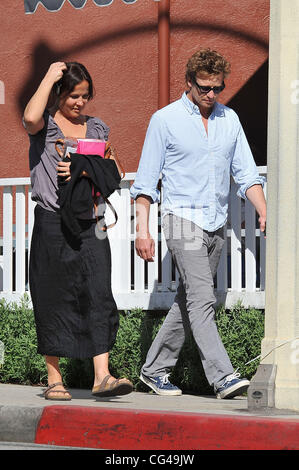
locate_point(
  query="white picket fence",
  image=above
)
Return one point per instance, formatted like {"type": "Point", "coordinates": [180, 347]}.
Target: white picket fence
{"type": "Point", "coordinates": [240, 276]}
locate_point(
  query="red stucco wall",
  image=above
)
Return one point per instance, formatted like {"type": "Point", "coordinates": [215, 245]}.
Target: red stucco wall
{"type": "Point", "coordinates": [119, 46]}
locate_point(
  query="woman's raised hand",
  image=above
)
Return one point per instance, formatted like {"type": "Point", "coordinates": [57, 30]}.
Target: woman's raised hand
{"type": "Point", "coordinates": [33, 114]}
{"type": "Point", "coordinates": [55, 71]}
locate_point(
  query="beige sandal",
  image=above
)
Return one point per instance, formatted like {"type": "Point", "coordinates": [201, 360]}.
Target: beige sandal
{"type": "Point", "coordinates": [49, 390]}
{"type": "Point", "coordinates": [117, 387]}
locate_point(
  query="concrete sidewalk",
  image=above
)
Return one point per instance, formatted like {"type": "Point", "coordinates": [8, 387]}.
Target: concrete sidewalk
{"type": "Point", "coordinates": [142, 421]}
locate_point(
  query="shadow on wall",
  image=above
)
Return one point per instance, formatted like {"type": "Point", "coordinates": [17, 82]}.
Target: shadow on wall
{"type": "Point", "coordinates": [43, 55]}
{"type": "Point", "coordinates": [250, 102]}
{"type": "Point", "coordinates": [251, 105]}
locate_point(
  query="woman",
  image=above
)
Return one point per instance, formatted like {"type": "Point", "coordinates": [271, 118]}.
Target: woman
{"type": "Point", "coordinates": [75, 313]}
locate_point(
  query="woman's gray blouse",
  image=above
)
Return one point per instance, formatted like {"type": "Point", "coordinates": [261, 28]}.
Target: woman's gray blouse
{"type": "Point", "coordinates": [43, 158]}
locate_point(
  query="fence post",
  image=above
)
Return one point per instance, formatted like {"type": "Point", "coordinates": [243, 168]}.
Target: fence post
{"type": "Point", "coordinates": [7, 239]}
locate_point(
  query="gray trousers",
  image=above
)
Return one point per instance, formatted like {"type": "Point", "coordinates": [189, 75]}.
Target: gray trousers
{"type": "Point", "coordinates": [196, 254]}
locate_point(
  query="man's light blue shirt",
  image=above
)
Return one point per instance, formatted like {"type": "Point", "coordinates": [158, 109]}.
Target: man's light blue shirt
{"type": "Point", "coordinates": [195, 165]}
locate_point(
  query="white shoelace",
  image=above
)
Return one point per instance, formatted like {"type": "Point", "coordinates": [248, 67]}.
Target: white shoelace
{"type": "Point", "coordinates": [233, 376]}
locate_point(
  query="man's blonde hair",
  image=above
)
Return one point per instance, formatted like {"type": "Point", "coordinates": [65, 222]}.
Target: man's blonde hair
{"type": "Point", "coordinates": [208, 62]}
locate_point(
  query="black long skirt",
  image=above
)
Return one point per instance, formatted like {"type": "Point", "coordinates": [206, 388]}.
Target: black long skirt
{"type": "Point", "coordinates": [70, 285]}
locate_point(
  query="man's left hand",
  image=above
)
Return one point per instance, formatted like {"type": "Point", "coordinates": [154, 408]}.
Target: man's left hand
{"type": "Point", "coordinates": [262, 222]}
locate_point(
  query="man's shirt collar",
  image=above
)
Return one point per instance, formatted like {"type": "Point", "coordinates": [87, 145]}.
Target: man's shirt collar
{"type": "Point", "coordinates": [192, 108]}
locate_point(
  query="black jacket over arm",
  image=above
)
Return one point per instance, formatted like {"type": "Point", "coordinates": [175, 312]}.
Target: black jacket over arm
{"type": "Point", "coordinates": [75, 196]}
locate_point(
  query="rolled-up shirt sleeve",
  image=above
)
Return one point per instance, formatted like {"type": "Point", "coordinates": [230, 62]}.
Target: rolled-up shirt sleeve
{"type": "Point", "coordinates": [243, 167]}
{"type": "Point", "coordinates": [151, 161]}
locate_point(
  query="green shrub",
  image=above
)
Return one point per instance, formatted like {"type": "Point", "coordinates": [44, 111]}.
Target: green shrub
{"type": "Point", "coordinates": [17, 331]}
{"type": "Point", "coordinates": [241, 331]}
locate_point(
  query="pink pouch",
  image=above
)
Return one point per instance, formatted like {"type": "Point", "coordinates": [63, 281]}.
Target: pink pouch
{"type": "Point", "coordinates": [91, 147]}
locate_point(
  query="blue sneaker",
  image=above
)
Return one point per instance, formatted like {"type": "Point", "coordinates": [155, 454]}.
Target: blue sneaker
{"type": "Point", "coordinates": [161, 385]}
{"type": "Point", "coordinates": [232, 386]}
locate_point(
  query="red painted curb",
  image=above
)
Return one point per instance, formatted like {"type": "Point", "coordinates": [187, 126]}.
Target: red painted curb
{"type": "Point", "coordinates": [105, 428]}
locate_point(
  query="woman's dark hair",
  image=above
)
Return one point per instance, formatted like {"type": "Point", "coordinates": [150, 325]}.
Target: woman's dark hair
{"type": "Point", "coordinates": [74, 74]}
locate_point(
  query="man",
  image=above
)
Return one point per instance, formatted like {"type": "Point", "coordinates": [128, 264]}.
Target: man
{"type": "Point", "coordinates": [197, 144]}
